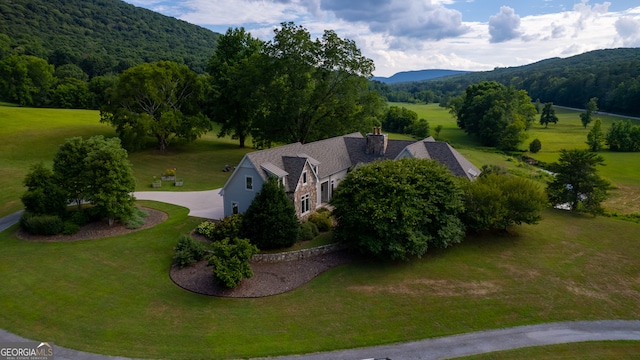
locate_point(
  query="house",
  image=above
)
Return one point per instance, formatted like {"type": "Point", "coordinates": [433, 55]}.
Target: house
{"type": "Point", "coordinates": [310, 172]}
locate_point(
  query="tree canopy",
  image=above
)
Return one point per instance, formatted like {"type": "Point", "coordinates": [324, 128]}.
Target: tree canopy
{"type": "Point", "coordinates": [497, 114]}
{"type": "Point", "coordinates": [234, 98]}
{"type": "Point", "coordinates": [158, 99]}
{"type": "Point", "coordinates": [313, 89]}
{"type": "Point", "coordinates": [397, 209]}
{"type": "Point", "coordinates": [548, 115]}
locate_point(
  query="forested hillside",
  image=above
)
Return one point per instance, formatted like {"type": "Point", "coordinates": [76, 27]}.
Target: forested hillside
{"type": "Point", "coordinates": [102, 36]}
{"type": "Point", "coordinates": [613, 76]}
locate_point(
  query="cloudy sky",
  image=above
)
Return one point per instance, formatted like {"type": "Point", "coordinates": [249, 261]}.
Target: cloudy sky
{"type": "Point", "coordinates": [402, 35]}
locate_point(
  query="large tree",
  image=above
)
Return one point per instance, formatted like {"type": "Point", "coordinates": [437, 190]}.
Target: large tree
{"type": "Point", "coordinates": [595, 137]}
{"type": "Point", "coordinates": [398, 209]}
{"type": "Point", "coordinates": [497, 114]}
{"type": "Point", "coordinates": [157, 99]}
{"type": "Point", "coordinates": [577, 182]}
{"type": "Point", "coordinates": [313, 89]}
{"type": "Point", "coordinates": [234, 97]}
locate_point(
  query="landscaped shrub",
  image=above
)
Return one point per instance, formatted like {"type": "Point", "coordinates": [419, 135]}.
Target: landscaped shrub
{"type": "Point", "coordinates": [322, 220]}
{"type": "Point", "coordinates": [70, 228]}
{"type": "Point", "coordinates": [229, 227]}
{"type": "Point", "coordinates": [136, 219]}
{"type": "Point", "coordinates": [79, 217]}
{"type": "Point", "coordinates": [41, 224]}
{"type": "Point", "coordinates": [230, 260]}
{"type": "Point", "coordinates": [188, 251]}
{"type": "Point", "coordinates": [535, 146]}
{"type": "Point", "coordinates": [308, 231]}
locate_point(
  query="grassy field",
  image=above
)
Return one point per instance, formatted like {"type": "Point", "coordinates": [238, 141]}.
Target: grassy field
{"type": "Point", "coordinates": [113, 295]}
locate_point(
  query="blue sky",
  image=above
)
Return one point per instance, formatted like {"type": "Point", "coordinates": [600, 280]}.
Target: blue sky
{"type": "Point", "coordinates": [402, 35]}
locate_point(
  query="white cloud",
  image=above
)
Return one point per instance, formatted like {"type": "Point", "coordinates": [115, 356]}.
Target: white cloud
{"type": "Point", "coordinates": [629, 31]}
{"type": "Point", "coordinates": [504, 26]}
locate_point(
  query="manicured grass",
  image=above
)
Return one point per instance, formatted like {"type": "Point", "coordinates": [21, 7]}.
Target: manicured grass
{"type": "Point", "coordinates": [28, 136]}
{"type": "Point", "coordinates": [586, 350]}
{"type": "Point", "coordinates": [114, 296]}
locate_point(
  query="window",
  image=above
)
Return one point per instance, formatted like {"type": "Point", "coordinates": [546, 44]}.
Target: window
{"type": "Point", "coordinates": [249, 183]}
{"type": "Point", "coordinates": [235, 208]}
{"type": "Point", "coordinates": [304, 202]}
{"type": "Point", "coordinates": [304, 177]}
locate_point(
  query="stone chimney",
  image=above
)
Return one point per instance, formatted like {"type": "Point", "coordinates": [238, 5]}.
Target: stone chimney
{"type": "Point", "coordinates": [377, 142]}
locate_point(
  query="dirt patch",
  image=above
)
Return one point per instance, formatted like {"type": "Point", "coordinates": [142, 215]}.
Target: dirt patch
{"type": "Point", "coordinates": [625, 199]}
{"type": "Point", "coordinates": [268, 278]}
{"type": "Point", "coordinates": [434, 287]}
{"type": "Point", "coordinates": [98, 230]}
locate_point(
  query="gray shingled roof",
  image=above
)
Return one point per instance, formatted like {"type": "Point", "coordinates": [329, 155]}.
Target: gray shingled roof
{"type": "Point", "coordinates": [294, 166]}
{"type": "Point", "coordinates": [340, 153]}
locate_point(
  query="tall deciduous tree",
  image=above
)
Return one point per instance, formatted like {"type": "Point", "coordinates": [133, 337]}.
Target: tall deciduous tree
{"type": "Point", "coordinates": [398, 209]}
{"type": "Point", "coordinates": [577, 182]}
{"type": "Point", "coordinates": [314, 89]}
{"type": "Point", "coordinates": [497, 114]}
{"type": "Point", "coordinates": [111, 178]}
{"type": "Point", "coordinates": [587, 115]}
{"type": "Point", "coordinates": [233, 69]}
{"type": "Point", "coordinates": [43, 195]}
{"type": "Point", "coordinates": [158, 99]}
{"type": "Point", "coordinates": [548, 115]}
{"type": "Point", "coordinates": [26, 80]}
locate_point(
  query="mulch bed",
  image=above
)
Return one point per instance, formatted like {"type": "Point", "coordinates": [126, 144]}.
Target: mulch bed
{"type": "Point", "coordinates": [268, 278]}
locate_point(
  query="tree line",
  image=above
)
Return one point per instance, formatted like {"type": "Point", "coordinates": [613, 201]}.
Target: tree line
{"type": "Point", "coordinates": [612, 76]}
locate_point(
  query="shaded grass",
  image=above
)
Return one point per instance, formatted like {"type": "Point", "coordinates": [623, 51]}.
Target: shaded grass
{"type": "Point", "coordinates": [114, 295]}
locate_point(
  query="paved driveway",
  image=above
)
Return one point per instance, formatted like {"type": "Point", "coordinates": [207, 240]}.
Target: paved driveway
{"type": "Point", "coordinates": [205, 204]}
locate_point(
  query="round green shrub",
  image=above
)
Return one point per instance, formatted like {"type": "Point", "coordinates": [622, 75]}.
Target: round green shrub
{"type": "Point", "coordinates": [188, 251]}
{"type": "Point", "coordinates": [308, 231]}
{"type": "Point", "coordinates": [41, 224]}
{"type": "Point", "coordinates": [322, 220]}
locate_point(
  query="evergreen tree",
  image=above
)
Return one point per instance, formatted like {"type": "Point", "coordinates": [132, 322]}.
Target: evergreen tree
{"type": "Point", "coordinates": [548, 115]}
{"type": "Point", "coordinates": [270, 222]}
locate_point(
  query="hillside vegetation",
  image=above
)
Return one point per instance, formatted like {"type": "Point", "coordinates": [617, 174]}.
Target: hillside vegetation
{"type": "Point", "coordinates": [612, 75]}
{"type": "Point", "coordinates": [102, 36]}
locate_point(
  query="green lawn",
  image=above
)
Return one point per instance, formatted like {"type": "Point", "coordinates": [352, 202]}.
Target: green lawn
{"type": "Point", "coordinates": [28, 136]}
{"type": "Point", "coordinates": [113, 295]}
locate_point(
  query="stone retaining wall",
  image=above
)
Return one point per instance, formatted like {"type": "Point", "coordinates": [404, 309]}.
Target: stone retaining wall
{"type": "Point", "coordinates": [298, 254]}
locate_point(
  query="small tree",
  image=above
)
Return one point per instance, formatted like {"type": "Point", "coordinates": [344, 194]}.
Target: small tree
{"type": "Point", "coordinates": [548, 115]}
{"type": "Point", "coordinates": [535, 146]}
{"type": "Point", "coordinates": [397, 209]}
{"type": "Point", "coordinates": [497, 201]}
{"type": "Point", "coordinates": [230, 260]}
{"type": "Point", "coordinates": [577, 182]}
{"type": "Point", "coordinates": [595, 138]}
{"type": "Point", "coordinates": [270, 222]}
{"type": "Point", "coordinates": [586, 116]}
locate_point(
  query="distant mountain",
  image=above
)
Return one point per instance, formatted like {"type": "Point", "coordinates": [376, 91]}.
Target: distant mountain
{"type": "Point", "coordinates": [102, 36]}
{"type": "Point", "coordinates": [611, 75]}
{"type": "Point", "coordinates": [417, 75]}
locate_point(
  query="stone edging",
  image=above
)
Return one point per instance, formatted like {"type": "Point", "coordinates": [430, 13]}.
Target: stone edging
{"type": "Point", "coordinates": [298, 254]}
